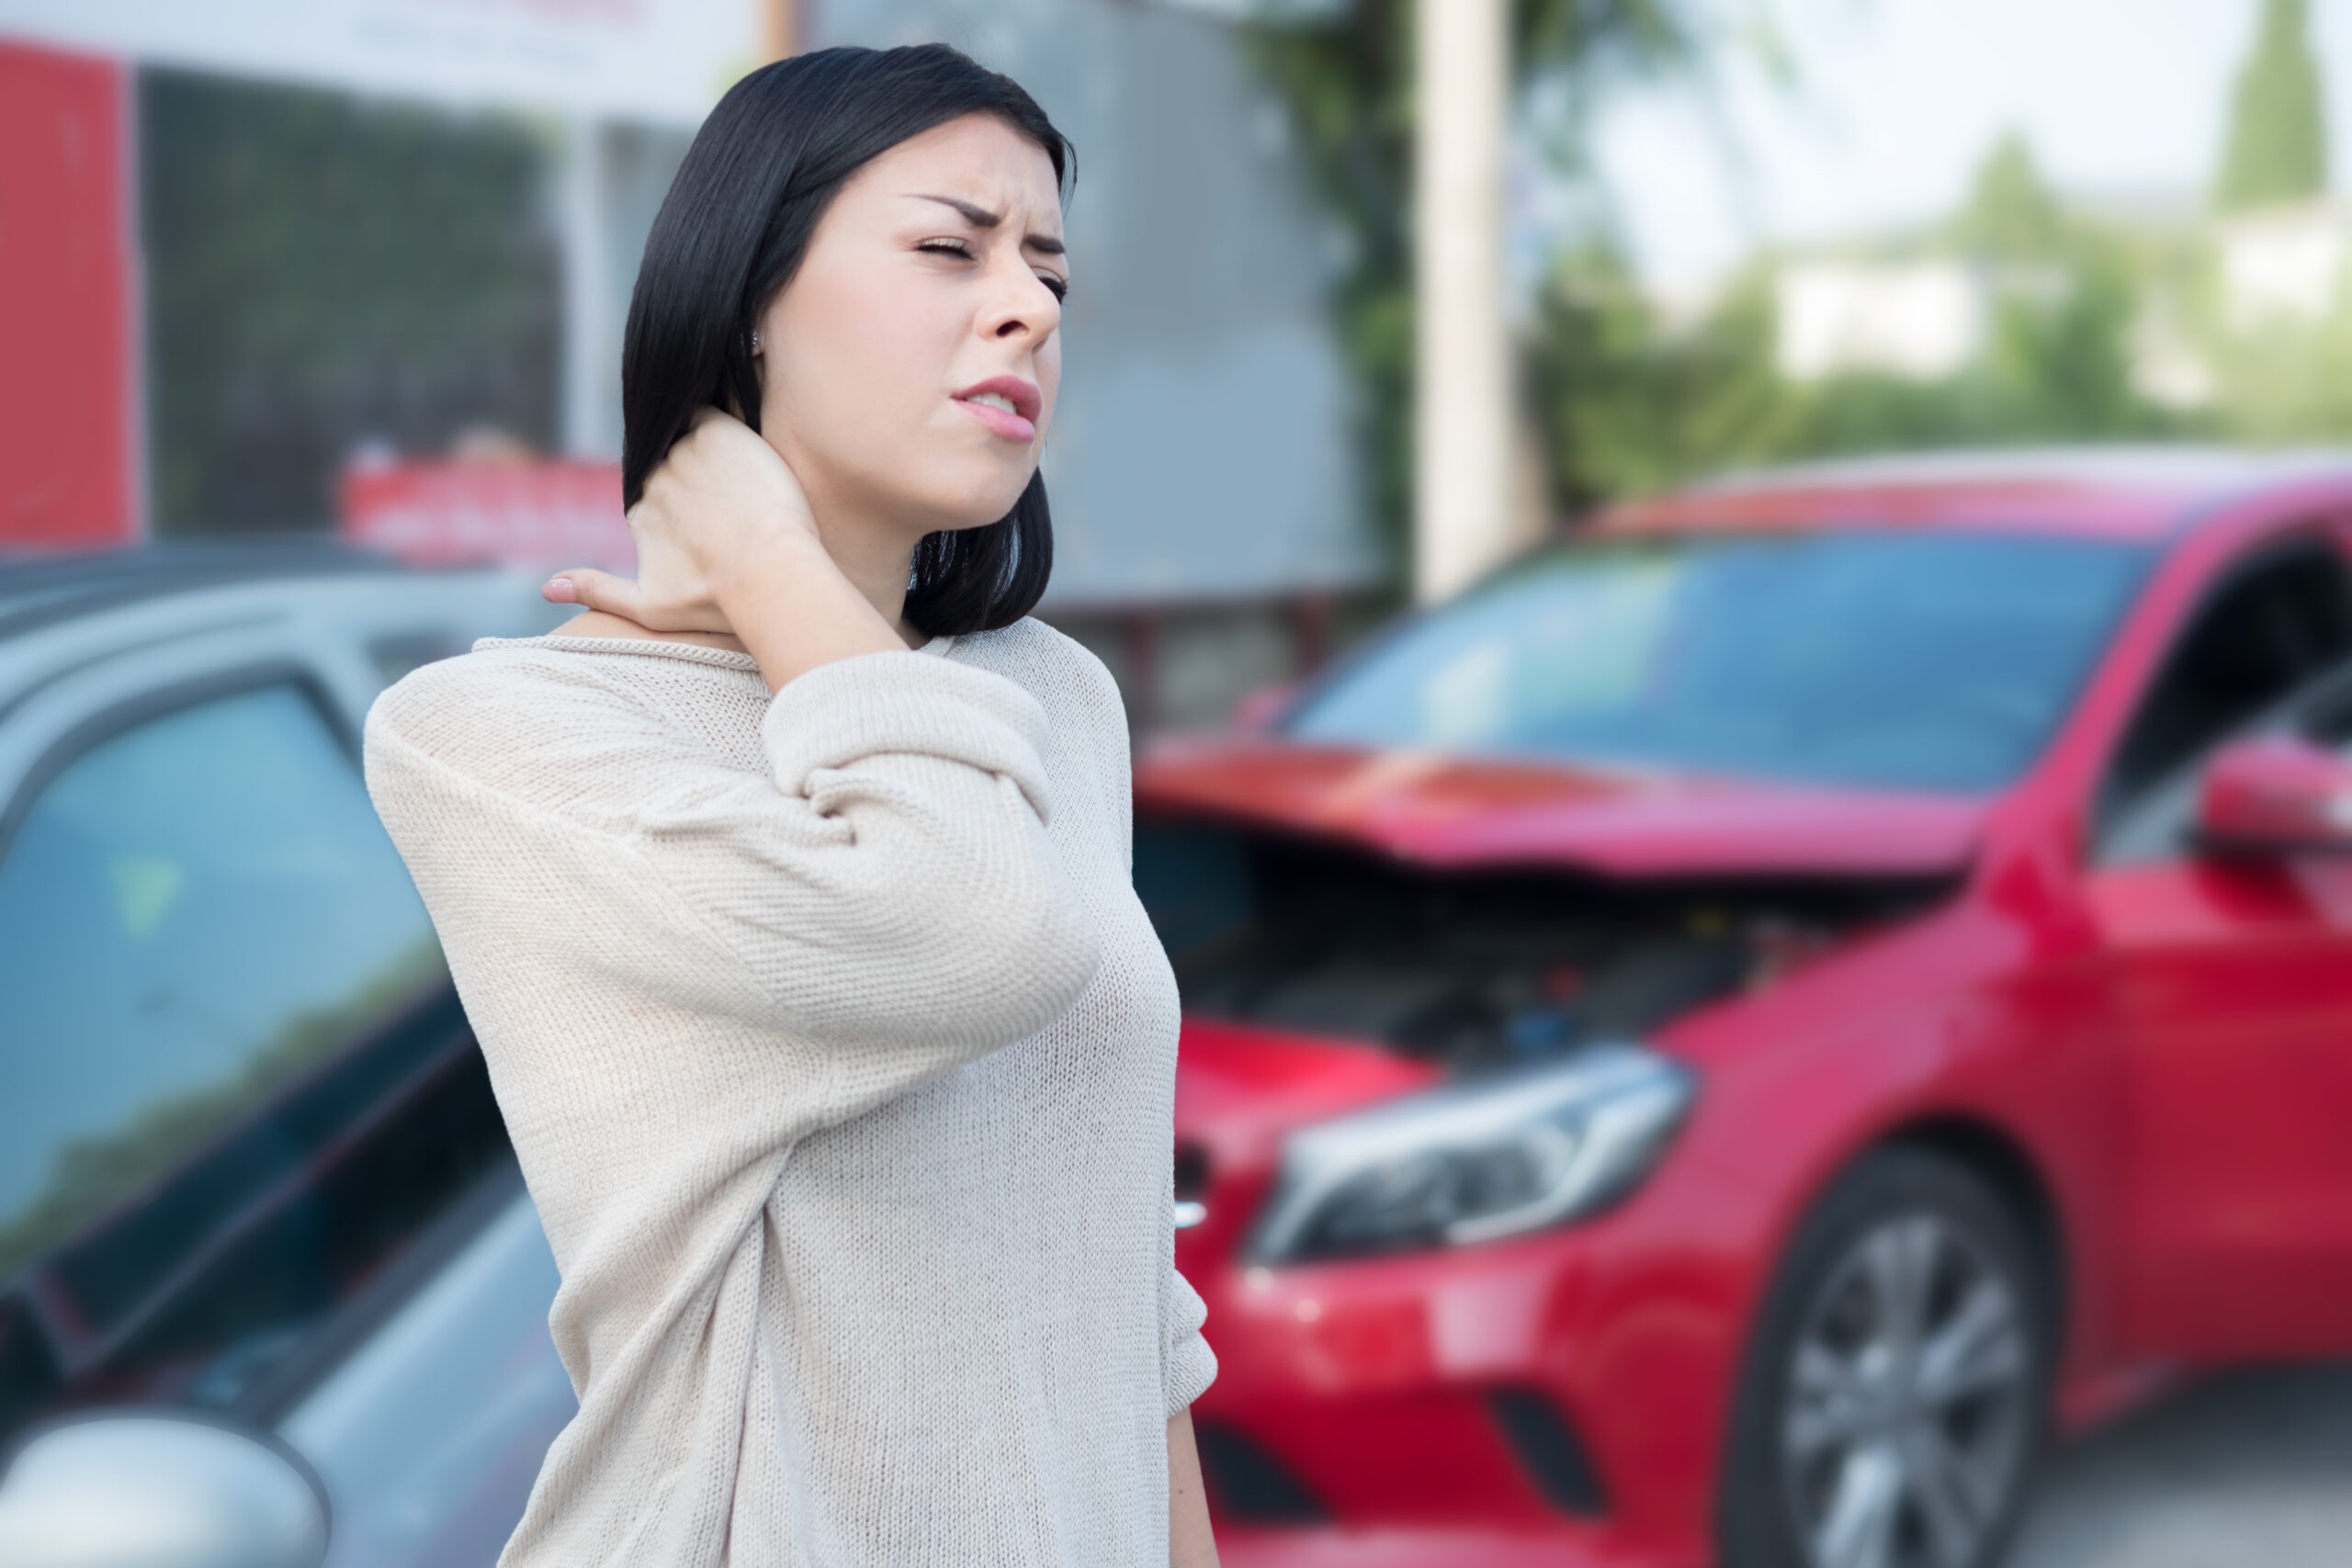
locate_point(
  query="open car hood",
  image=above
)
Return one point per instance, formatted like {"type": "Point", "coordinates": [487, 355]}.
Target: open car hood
{"type": "Point", "coordinates": [1440, 810]}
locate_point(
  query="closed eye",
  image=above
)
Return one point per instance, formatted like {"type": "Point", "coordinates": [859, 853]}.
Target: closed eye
{"type": "Point", "coordinates": [1057, 287]}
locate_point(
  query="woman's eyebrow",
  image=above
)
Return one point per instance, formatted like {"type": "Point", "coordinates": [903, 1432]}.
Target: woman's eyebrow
{"type": "Point", "coordinates": [981, 218]}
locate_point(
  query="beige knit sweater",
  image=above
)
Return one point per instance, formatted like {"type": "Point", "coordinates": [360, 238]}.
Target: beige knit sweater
{"type": "Point", "coordinates": [839, 1056]}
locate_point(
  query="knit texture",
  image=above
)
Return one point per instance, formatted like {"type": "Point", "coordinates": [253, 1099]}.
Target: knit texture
{"type": "Point", "coordinates": [840, 1057]}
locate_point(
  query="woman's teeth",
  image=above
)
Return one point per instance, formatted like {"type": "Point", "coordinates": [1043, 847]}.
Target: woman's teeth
{"type": "Point", "coordinates": [994, 400]}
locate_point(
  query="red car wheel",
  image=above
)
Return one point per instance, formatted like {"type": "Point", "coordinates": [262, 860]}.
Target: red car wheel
{"type": "Point", "coordinates": [1896, 1390]}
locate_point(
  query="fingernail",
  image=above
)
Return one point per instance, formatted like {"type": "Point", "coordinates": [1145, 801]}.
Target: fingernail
{"type": "Point", "coordinates": [558, 589]}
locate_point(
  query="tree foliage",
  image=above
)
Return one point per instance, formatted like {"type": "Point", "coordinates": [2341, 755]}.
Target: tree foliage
{"type": "Point", "coordinates": [2285, 382]}
{"type": "Point", "coordinates": [1626, 402]}
{"type": "Point", "coordinates": [2012, 216]}
{"type": "Point", "coordinates": [1630, 405]}
{"type": "Point", "coordinates": [2276, 150]}
{"type": "Point", "coordinates": [1624, 406]}
{"type": "Point", "coordinates": [325, 270]}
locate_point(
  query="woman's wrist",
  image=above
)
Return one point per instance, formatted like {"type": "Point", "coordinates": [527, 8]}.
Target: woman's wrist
{"type": "Point", "coordinates": [793, 609]}
{"type": "Point", "coordinates": [778, 555]}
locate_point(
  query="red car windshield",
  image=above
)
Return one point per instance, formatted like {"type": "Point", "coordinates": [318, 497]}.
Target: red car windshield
{"type": "Point", "coordinates": [1929, 661]}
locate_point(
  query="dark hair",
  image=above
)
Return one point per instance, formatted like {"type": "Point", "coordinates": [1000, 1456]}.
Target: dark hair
{"type": "Point", "coordinates": [733, 231]}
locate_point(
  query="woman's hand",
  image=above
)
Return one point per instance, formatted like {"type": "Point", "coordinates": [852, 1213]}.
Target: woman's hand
{"type": "Point", "coordinates": [726, 546]}
{"type": "Point", "coordinates": [715, 511]}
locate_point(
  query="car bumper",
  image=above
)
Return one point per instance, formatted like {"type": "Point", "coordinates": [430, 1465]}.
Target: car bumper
{"type": "Point", "coordinates": [1554, 1399]}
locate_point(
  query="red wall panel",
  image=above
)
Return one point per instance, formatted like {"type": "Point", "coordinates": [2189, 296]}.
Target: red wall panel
{"type": "Point", "coordinates": [66, 421]}
{"type": "Point", "coordinates": [534, 514]}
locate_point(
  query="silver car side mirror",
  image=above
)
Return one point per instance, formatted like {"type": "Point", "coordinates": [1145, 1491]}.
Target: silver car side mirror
{"type": "Point", "coordinates": [153, 1489]}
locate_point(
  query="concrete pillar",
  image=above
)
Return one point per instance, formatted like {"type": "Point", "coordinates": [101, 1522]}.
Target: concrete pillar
{"type": "Point", "coordinates": [779, 28]}
{"type": "Point", "coordinates": [1462, 501]}
{"type": "Point", "coordinates": [592, 344]}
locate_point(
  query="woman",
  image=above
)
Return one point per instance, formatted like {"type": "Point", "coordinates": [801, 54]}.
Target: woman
{"type": "Point", "coordinates": [787, 890]}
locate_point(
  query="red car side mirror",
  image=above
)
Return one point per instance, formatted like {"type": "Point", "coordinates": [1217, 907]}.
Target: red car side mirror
{"type": "Point", "coordinates": [2275, 795]}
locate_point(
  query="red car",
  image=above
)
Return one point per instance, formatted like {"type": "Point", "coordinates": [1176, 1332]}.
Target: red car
{"type": "Point", "coordinates": [1708, 1047]}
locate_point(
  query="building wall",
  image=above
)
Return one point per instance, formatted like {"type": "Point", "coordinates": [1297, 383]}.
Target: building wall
{"type": "Point", "coordinates": [655, 62]}
{"type": "Point", "coordinates": [331, 277]}
{"type": "Point", "coordinates": [1920, 320]}
{"type": "Point", "coordinates": [67, 448]}
{"type": "Point", "coordinates": [1201, 452]}
{"type": "Point", "coordinates": [1201, 467]}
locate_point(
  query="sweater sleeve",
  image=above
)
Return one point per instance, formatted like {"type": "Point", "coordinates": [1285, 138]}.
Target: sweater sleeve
{"type": "Point", "coordinates": [883, 890]}
{"type": "Point", "coordinates": [1187, 1365]}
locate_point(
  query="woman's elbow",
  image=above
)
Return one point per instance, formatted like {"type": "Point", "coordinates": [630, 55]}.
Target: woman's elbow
{"type": "Point", "coordinates": [1028, 954]}
{"type": "Point", "coordinates": [968, 962]}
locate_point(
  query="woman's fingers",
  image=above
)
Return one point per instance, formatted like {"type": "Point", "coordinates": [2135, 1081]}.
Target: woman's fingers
{"type": "Point", "coordinates": [644, 600]}
{"type": "Point", "coordinates": [593, 590]}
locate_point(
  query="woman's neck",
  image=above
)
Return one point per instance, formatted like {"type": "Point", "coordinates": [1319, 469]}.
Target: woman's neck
{"type": "Point", "coordinates": [876, 556]}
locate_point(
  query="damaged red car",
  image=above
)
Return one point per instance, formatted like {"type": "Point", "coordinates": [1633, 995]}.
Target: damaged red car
{"type": "Point", "coordinates": [1716, 1046]}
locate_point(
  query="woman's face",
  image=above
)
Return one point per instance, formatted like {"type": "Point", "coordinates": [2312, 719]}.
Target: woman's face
{"type": "Point", "coordinates": [908, 371]}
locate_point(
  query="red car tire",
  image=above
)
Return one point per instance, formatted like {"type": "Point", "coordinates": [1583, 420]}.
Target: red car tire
{"type": "Point", "coordinates": [1895, 1394]}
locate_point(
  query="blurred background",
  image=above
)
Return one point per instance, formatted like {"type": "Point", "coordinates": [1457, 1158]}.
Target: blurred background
{"type": "Point", "coordinates": [360, 266]}
{"type": "Point", "coordinates": [289, 275]}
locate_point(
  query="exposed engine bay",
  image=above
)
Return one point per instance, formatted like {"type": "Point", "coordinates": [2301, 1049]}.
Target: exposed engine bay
{"type": "Point", "coordinates": [1476, 967]}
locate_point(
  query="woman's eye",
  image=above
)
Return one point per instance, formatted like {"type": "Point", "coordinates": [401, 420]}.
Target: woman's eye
{"type": "Point", "coordinates": [964, 252]}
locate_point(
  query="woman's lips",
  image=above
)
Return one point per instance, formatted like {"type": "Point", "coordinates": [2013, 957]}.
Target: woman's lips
{"type": "Point", "coordinates": [1003, 422]}
{"type": "Point", "coordinates": [1006, 404]}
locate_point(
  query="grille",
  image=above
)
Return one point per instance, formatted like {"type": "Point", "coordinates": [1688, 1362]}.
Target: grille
{"type": "Point", "coordinates": [1248, 1484]}
{"type": "Point", "coordinates": [1550, 1451]}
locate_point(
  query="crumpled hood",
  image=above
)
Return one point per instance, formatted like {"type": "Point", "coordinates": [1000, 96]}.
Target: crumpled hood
{"type": "Point", "coordinates": [1440, 810]}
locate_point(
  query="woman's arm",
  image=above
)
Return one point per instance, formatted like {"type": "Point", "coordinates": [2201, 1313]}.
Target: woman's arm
{"type": "Point", "coordinates": [1190, 1543]}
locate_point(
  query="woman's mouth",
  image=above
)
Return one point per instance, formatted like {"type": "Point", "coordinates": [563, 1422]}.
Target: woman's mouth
{"type": "Point", "coordinates": [1008, 405]}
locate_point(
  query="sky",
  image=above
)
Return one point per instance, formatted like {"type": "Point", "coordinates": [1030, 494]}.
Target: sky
{"type": "Point", "coordinates": [1896, 101]}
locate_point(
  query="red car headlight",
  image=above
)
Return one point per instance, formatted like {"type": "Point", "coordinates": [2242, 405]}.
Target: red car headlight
{"type": "Point", "coordinates": [1481, 1157]}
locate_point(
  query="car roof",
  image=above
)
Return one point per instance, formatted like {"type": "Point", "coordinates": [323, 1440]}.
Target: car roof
{"type": "Point", "coordinates": [37, 591]}
{"type": "Point", "coordinates": [64, 614]}
{"type": "Point", "coordinates": [2139, 493]}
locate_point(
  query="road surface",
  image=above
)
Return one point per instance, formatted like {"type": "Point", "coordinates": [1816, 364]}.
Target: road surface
{"type": "Point", "coordinates": [2251, 1470]}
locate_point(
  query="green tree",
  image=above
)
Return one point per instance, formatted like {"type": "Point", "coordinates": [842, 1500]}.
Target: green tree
{"type": "Point", "coordinates": [2054, 368]}
{"type": "Point", "coordinates": [2287, 383]}
{"type": "Point", "coordinates": [1630, 405]}
{"type": "Point", "coordinates": [1626, 406]}
{"type": "Point", "coordinates": [2277, 139]}
{"type": "Point", "coordinates": [2011, 215]}
{"type": "Point", "coordinates": [1630, 408]}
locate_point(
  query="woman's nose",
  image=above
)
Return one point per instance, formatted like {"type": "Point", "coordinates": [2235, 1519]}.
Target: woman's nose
{"type": "Point", "coordinates": [1020, 305]}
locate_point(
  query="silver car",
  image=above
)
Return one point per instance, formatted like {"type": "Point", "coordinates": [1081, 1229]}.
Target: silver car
{"type": "Point", "coordinates": [266, 1260]}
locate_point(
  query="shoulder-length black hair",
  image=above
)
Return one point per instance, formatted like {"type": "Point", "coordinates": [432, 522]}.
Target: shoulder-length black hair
{"type": "Point", "coordinates": [731, 232]}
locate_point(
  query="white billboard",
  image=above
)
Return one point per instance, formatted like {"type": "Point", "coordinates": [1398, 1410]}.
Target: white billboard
{"type": "Point", "coordinates": [662, 61]}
